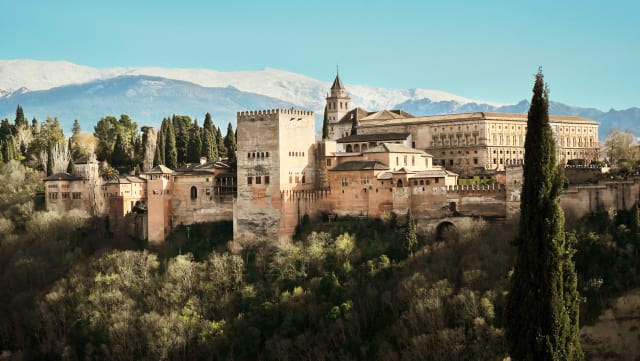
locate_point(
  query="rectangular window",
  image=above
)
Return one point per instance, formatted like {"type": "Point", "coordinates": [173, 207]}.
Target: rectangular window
{"type": "Point", "coordinates": [207, 191]}
{"type": "Point", "coordinates": [65, 195]}
{"type": "Point", "coordinates": [437, 180]}
{"type": "Point", "coordinates": [249, 180]}
{"type": "Point", "coordinates": [76, 195]}
{"type": "Point", "coordinates": [266, 179]}
{"type": "Point", "coordinates": [475, 160]}
{"type": "Point", "coordinates": [345, 181]}
{"type": "Point", "coordinates": [405, 160]}
{"type": "Point", "coordinates": [53, 195]}
{"type": "Point", "coordinates": [328, 162]}
{"type": "Point", "coordinates": [258, 180]}
{"type": "Point", "coordinates": [413, 160]}
{"type": "Point", "coordinates": [297, 179]}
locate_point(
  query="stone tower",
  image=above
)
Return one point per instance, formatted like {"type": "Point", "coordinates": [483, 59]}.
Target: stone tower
{"type": "Point", "coordinates": [337, 103]}
{"type": "Point", "coordinates": [275, 161]}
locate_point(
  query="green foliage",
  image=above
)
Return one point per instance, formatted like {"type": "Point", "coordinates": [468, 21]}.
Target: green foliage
{"type": "Point", "coordinates": [195, 144]}
{"type": "Point", "coordinates": [120, 157]}
{"type": "Point", "coordinates": [182, 125]}
{"type": "Point", "coordinates": [230, 144]}
{"type": "Point", "coordinates": [170, 151]}
{"type": "Point", "coordinates": [410, 234]}
{"type": "Point", "coordinates": [20, 121]}
{"type": "Point", "coordinates": [71, 168]}
{"type": "Point", "coordinates": [543, 302]}
{"type": "Point", "coordinates": [325, 124]}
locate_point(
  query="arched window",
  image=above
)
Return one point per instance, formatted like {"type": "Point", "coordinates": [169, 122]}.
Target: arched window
{"type": "Point", "coordinates": [194, 193]}
{"type": "Point", "coordinates": [399, 184]}
{"type": "Point", "coordinates": [349, 149]}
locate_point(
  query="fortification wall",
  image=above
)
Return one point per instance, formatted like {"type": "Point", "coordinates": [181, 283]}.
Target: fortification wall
{"type": "Point", "coordinates": [610, 196]}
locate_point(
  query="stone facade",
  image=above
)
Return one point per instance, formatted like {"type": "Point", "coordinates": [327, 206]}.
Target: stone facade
{"type": "Point", "coordinates": [275, 157]}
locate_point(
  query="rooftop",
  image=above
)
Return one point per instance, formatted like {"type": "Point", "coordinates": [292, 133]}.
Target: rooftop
{"type": "Point", "coordinates": [360, 165]}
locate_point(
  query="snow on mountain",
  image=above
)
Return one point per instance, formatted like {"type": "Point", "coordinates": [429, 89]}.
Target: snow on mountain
{"type": "Point", "coordinates": [295, 88]}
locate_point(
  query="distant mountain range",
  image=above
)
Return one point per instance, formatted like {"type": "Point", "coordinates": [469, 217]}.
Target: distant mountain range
{"type": "Point", "coordinates": [69, 91]}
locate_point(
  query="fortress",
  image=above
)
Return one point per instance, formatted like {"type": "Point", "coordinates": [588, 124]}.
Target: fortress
{"type": "Point", "coordinates": [369, 164]}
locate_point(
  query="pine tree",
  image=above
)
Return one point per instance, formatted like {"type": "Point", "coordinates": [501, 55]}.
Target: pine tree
{"type": "Point", "coordinates": [542, 306]}
{"type": "Point", "coordinates": [325, 125]}
{"type": "Point", "coordinates": [170, 150]}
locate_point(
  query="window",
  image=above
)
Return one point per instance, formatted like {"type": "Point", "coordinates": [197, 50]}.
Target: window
{"type": "Point", "coordinates": [53, 195]}
{"type": "Point", "coordinates": [345, 181]}
{"type": "Point", "coordinates": [258, 180]}
{"type": "Point", "coordinates": [475, 160]}
{"type": "Point", "coordinates": [413, 160]}
{"type": "Point", "coordinates": [405, 160]}
{"type": "Point", "coordinates": [65, 195]}
{"type": "Point", "coordinates": [266, 179]}
{"type": "Point", "coordinates": [297, 179]}
{"type": "Point", "coordinates": [249, 180]}
{"type": "Point", "coordinates": [194, 193]}
{"type": "Point", "coordinates": [290, 179]}
{"type": "Point", "coordinates": [328, 162]}
{"type": "Point", "coordinates": [303, 179]}
{"type": "Point", "coordinates": [207, 191]}
{"type": "Point", "coordinates": [397, 161]}
{"type": "Point", "coordinates": [76, 195]}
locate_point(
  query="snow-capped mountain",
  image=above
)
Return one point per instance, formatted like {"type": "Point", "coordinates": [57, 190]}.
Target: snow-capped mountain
{"type": "Point", "coordinates": [70, 91]}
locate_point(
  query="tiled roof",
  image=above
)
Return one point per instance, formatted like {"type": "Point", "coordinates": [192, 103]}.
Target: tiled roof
{"type": "Point", "coordinates": [394, 148]}
{"type": "Point", "coordinates": [62, 176]}
{"type": "Point", "coordinates": [433, 173]}
{"type": "Point", "coordinates": [373, 137]}
{"type": "Point", "coordinates": [385, 115]}
{"type": "Point", "coordinates": [348, 117]}
{"type": "Point", "coordinates": [360, 165]}
{"type": "Point", "coordinates": [160, 169]}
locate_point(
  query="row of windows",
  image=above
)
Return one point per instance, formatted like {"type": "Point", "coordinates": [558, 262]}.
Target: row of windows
{"type": "Point", "coordinates": [65, 195]}
{"type": "Point", "coordinates": [258, 179]}
{"type": "Point", "coordinates": [453, 128]}
{"type": "Point", "coordinates": [404, 160]}
{"type": "Point", "coordinates": [297, 179]}
{"type": "Point", "coordinates": [296, 154]}
{"type": "Point", "coordinates": [443, 162]}
{"type": "Point", "coordinates": [258, 155]}
{"type": "Point", "coordinates": [365, 181]}
{"type": "Point", "coordinates": [333, 105]}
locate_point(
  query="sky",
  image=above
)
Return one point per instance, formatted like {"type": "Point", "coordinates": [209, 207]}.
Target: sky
{"type": "Point", "coordinates": [489, 50]}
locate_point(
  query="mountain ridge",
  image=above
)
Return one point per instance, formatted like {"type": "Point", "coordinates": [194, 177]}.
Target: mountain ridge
{"type": "Point", "coordinates": [31, 82]}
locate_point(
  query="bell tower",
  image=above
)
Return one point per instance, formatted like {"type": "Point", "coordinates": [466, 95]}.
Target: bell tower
{"type": "Point", "coordinates": [337, 101]}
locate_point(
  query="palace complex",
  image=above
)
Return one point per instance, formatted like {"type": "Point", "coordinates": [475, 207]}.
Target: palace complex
{"type": "Point", "coordinates": [369, 165]}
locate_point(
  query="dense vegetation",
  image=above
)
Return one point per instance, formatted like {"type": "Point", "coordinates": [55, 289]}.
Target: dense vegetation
{"type": "Point", "coordinates": [345, 289]}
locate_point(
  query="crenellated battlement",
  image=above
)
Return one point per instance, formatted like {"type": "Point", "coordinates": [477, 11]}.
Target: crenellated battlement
{"type": "Point", "coordinates": [273, 112]}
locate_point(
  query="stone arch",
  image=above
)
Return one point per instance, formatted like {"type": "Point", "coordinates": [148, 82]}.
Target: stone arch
{"type": "Point", "coordinates": [446, 231]}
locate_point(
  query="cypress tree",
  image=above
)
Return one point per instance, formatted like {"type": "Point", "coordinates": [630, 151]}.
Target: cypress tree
{"type": "Point", "coordinates": [542, 306]}
{"type": "Point", "coordinates": [208, 122]}
{"type": "Point", "coordinates": [209, 146]}
{"type": "Point", "coordinates": [1, 155]}
{"type": "Point", "coordinates": [71, 167]}
{"type": "Point", "coordinates": [195, 144]}
{"type": "Point", "coordinates": [230, 144]}
{"type": "Point", "coordinates": [76, 127]}
{"type": "Point", "coordinates": [170, 150]}
{"type": "Point", "coordinates": [9, 150]}
{"type": "Point", "coordinates": [222, 151]}
{"type": "Point", "coordinates": [410, 234]}
{"type": "Point", "coordinates": [120, 156]}
{"type": "Point", "coordinates": [325, 125]}
{"type": "Point", "coordinates": [20, 121]}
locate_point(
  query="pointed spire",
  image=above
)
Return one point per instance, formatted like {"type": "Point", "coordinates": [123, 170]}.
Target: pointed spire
{"type": "Point", "coordinates": [337, 83]}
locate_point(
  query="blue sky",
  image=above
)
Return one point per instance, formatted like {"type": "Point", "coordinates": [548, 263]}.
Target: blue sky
{"type": "Point", "coordinates": [590, 50]}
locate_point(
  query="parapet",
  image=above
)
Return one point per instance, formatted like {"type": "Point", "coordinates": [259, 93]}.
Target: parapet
{"type": "Point", "coordinates": [269, 113]}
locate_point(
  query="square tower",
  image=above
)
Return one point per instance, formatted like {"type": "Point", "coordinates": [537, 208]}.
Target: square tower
{"type": "Point", "coordinates": [275, 157]}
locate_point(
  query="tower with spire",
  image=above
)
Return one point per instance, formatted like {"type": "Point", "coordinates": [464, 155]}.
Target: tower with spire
{"type": "Point", "coordinates": [337, 101]}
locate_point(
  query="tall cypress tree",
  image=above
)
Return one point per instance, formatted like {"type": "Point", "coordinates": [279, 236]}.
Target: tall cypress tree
{"type": "Point", "coordinates": [542, 306]}
{"type": "Point", "coordinates": [325, 125]}
{"type": "Point", "coordinates": [230, 144]}
{"type": "Point", "coordinates": [170, 150]}
{"type": "Point", "coordinates": [195, 144]}
{"type": "Point", "coordinates": [222, 151]}
{"type": "Point", "coordinates": [20, 121]}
